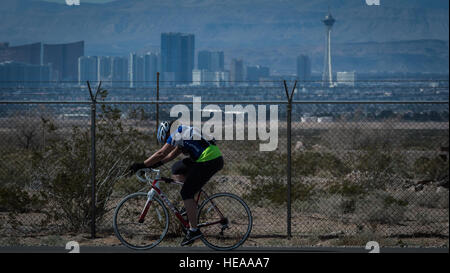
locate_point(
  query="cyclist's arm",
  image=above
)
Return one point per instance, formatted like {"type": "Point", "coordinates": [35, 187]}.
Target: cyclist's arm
{"type": "Point", "coordinates": [159, 155]}
{"type": "Point", "coordinates": [173, 154]}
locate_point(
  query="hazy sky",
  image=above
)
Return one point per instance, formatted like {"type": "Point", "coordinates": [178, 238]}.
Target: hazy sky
{"type": "Point", "coordinates": [263, 32]}
{"type": "Point", "coordinates": [87, 1]}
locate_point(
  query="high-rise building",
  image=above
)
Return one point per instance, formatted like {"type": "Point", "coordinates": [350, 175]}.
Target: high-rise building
{"type": "Point", "coordinates": [217, 61]}
{"type": "Point", "coordinates": [133, 69]}
{"type": "Point", "coordinates": [210, 60]}
{"type": "Point", "coordinates": [204, 60]}
{"type": "Point", "coordinates": [21, 74]}
{"type": "Point", "coordinates": [254, 73]}
{"type": "Point", "coordinates": [177, 57]}
{"type": "Point", "coordinates": [346, 78]}
{"type": "Point", "coordinates": [210, 78]}
{"type": "Point", "coordinates": [87, 69]}
{"type": "Point", "coordinates": [140, 71]}
{"type": "Point", "coordinates": [119, 71]}
{"type": "Point", "coordinates": [132, 66]}
{"type": "Point", "coordinates": [237, 73]}
{"type": "Point", "coordinates": [150, 68]}
{"type": "Point", "coordinates": [27, 54]}
{"type": "Point", "coordinates": [187, 57]}
{"type": "Point", "coordinates": [64, 59]}
{"type": "Point", "coordinates": [327, 75]}
{"type": "Point", "coordinates": [104, 70]}
{"type": "Point", "coordinates": [222, 78]}
{"type": "Point", "coordinates": [303, 68]}
{"type": "Point", "coordinates": [136, 70]}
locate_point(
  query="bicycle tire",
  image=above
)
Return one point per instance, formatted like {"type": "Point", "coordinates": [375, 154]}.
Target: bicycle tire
{"type": "Point", "coordinates": [239, 221]}
{"type": "Point", "coordinates": [150, 229]}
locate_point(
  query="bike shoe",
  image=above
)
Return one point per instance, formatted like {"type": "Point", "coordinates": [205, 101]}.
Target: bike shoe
{"type": "Point", "coordinates": [191, 236]}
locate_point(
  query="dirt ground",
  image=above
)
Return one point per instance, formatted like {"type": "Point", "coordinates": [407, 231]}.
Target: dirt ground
{"type": "Point", "coordinates": [295, 241]}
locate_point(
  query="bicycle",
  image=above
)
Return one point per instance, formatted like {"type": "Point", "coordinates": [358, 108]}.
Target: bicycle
{"type": "Point", "coordinates": [141, 219]}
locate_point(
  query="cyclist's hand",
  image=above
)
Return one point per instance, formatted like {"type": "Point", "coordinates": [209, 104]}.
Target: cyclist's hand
{"type": "Point", "coordinates": [135, 167]}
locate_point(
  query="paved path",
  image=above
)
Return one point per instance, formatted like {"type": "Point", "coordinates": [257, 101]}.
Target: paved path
{"type": "Point", "coordinates": [122, 249]}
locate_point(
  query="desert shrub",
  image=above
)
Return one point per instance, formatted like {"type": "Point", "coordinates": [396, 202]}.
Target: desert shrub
{"type": "Point", "coordinates": [377, 160]}
{"type": "Point", "coordinates": [380, 168]}
{"type": "Point", "coordinates": [15, 199]}
{"type": "Point", "coordinates": [379, 207]}
{"type": "Point", "coordinates": [390, 200]}
{"type": "Point", "coordinates": [15, 168]}
{"type": "Point", "coordinates": [275, 191]}
{"type": "Point", "coordinates": [271, 164]}
{"type": "Point", "coordinates": [340, 197]}
{"type": "Point", "coordinates": [346, 188]}
{"type": "Point", "coordinates": [433, 169]}
{"type": "Point", "coordinates": [333, 205]}
{"type": "Point", "coordinates": [311, 163]}
{"type": "Point", "coordinates": [431, 199]}
{"type": "Point", "coordinates": [268, 175]}
{"type": "Point", "coordinates": [64, 168]}
{"type": "Point", "coordinates": [128, 185]}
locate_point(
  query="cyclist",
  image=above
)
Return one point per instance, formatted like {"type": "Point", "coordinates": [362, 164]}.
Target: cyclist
{"type": "Point", "coordinates": [205, 159]}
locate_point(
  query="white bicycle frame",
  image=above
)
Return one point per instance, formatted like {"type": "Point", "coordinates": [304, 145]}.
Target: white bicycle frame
{"type": "Point", "coordinates": [156, 190]}
{"type": "Point", "coordinates": [152, 192]}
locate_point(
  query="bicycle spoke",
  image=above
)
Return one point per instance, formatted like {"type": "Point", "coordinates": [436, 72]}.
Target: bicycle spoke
{"type": "Point", "coordinates": [138, 235]}
{"type": "Point", "coordinates": [225, 221]}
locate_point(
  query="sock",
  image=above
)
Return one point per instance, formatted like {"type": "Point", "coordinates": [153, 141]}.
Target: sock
{"type": "Point", "coordinates": [193, 229]}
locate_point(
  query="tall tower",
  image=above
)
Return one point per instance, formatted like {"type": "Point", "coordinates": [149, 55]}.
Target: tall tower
{"type": "Point", "coordinates": [327, 76]}
{"type": "Point", "coordinates": [177, 56]}
{"type": "Point", "coordinates": [303, 68]}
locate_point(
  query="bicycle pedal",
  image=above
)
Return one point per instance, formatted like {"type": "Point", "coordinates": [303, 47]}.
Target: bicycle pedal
{"type": "Point", "coordinates": [187, 244]}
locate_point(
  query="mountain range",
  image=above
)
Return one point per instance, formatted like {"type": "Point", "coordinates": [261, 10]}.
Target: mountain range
{"type": "Point", "coordinates": [396, 36]}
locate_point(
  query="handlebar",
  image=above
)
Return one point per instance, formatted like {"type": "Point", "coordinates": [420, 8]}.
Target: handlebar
{"type": "Point", "coordinates": [144, 175]}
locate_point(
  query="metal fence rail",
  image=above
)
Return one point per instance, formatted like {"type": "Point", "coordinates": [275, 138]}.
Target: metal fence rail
{"type": "Point", "coordinates": [343, 172]}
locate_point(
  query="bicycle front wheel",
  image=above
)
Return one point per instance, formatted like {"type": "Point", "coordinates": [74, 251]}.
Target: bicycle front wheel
{"type": "Point", "coordinates": [225, 221]}
{"type": "Point", "coordinates": [130, 231]}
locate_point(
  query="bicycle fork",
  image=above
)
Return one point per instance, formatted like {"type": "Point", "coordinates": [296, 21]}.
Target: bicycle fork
{"type": "Point", "coordinates": [150, 196]}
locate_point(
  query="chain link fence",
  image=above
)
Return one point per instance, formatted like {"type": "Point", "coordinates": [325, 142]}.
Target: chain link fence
{"type": "Point", "coordinates": [359, 171]}
{"type": "Point", "coordinates": [371, 171]}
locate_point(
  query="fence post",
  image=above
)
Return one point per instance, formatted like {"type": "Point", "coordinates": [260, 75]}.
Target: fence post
{"type": "Point", "coordinates": [157, 105]}
{"type": "Point", "coordinates": [289, 161]}
{"type": "Point", "coordinates": [93, 155]}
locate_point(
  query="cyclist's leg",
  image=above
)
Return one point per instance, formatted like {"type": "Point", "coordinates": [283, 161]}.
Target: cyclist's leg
{"type": "Point", "coordinates": [192, 184]}
{"type": "Point", "coordinates": [180, 169]}
{"type": "Point", "coordinates": [197, 176]}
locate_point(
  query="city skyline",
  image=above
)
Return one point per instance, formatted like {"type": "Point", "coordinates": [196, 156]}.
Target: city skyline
{"type": "Point", "coordinates": [178, 62]}
{"type": "Point", "coordinates": [208, 70]}
{"type": "Point", "coordinates": [264, 32]}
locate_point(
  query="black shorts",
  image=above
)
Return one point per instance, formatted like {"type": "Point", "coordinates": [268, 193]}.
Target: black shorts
{"type": "Point", "coordinates": [196, 173]}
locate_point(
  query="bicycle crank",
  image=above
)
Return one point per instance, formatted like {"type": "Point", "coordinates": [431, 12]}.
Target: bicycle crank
{"type": "Point", "coordinates": [224, 223]}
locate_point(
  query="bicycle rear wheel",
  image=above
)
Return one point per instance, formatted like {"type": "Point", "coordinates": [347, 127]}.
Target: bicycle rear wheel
{"type": "Point", "coordinates": [225, 221]}
{"type": "Point", "coordinates": [135, 235]}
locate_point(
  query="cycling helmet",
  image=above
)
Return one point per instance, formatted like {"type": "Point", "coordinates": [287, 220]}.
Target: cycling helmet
{"type": "Point", "coordinates": [163, 132]}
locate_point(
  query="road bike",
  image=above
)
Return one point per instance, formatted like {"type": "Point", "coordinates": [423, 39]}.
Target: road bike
{"type": "Point", "coordinates": [141, 219]}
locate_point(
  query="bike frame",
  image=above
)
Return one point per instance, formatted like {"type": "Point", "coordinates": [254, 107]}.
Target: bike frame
{"type": "Point", "coordinates": [156, 190]}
